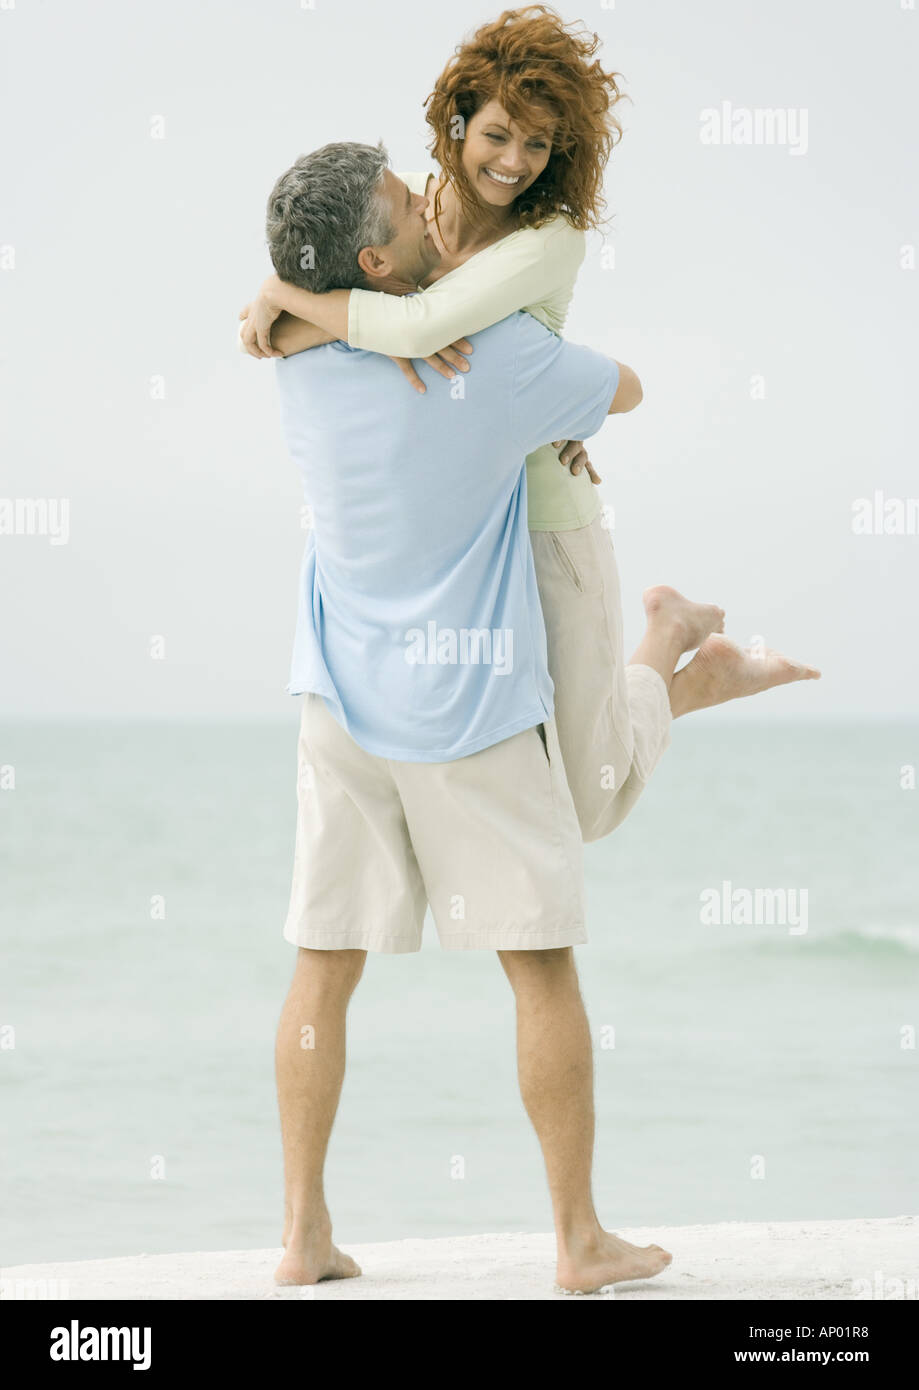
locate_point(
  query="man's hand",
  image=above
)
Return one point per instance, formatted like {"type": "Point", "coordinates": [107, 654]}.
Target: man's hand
{"type": "Point", "coordinates": [443, 362]}
{"type": "Point", "coordinates": [574, 457]}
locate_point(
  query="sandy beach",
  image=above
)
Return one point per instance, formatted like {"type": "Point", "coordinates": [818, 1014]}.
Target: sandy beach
{"type": "Point", "coordinates": [861, 1259]}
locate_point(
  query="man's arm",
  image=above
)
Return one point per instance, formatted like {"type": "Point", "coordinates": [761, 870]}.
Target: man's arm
{"type": "Point", "coordinates": [562, 390]}
{"type": "Point", "coordinates": [628, 392]}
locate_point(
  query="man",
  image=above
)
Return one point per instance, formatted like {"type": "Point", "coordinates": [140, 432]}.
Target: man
{"type": "Point", "coordinates": [429, 763]}
{"type": "Point", "coordinates": [429, 770]}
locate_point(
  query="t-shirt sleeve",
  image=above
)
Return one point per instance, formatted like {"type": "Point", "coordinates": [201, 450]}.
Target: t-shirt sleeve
{"type": "Point", "coordinates": [560, 390]}
{"type": "Point", "coordinates": [524, 269]}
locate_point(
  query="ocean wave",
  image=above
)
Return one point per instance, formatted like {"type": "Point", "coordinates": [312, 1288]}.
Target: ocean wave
{"type": "Point", "coordinates": [907, 937]}
{"type": "Point", "coordinates": [865, 942]}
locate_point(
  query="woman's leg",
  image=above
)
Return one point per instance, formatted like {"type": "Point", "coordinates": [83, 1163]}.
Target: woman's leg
{"type": "Point", "coordinates": [613, 719]}
{"type": "Point", "coordinates": [722, 671]}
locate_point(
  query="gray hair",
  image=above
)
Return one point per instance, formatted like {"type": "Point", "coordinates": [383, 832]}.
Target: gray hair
{"type": "Point", "coordinates": [324, 210]}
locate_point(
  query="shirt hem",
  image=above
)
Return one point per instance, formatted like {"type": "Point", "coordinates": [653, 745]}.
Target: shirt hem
{"type": "Point", "coordinates": [437, 755]}
{"type": "Point", "coordinates": [569, 524]}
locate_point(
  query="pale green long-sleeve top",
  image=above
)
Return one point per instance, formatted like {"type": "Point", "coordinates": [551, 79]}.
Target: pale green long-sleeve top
{"type": "Point", "coordinates": [532, 269]}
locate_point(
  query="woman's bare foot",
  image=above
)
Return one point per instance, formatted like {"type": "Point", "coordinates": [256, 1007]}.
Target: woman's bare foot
{"type": "Point", "coordinates": [310, 1256]}
{"type": "Point", "coordinates": [720, 671]}
{"type": "Point", "coordinates": [608, 1259]}
{"type": "Point", "coordinates": [690, 623]}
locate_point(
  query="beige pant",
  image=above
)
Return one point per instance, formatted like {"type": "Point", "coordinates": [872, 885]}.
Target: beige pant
{"type": "Point", "coordinates": [613, 720]}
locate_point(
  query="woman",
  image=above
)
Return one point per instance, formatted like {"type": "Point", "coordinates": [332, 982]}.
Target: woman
{"type": "Point", "coordinates": [523, 123]}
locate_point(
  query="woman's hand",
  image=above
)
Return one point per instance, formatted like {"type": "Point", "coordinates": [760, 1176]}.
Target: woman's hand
{"type": "Point", "coordinates": [247, 337]}
{"type": "Point", "coordinates": [574, 457]}
{"type": "Point", "coordinates": [443, 362]}
{"type": "Point", "coordinates": [259, 316]}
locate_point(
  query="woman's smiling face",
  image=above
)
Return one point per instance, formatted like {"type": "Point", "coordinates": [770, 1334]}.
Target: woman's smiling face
{"type": "Point", "coordinates": [500, 158]}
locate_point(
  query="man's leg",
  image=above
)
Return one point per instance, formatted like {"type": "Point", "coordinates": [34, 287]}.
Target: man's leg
{"type": "Point", "coordinates": [555, 1068]}
{"type": "Point", "coordinates": [310, 1066]}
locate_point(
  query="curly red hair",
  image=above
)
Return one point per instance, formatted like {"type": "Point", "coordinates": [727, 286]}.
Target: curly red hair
{"type": "Point", "coordinates": [525, 58]}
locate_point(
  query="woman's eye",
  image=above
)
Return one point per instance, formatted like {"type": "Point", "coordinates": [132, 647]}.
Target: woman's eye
{"type": "Point", "coordinates": [490, 136]}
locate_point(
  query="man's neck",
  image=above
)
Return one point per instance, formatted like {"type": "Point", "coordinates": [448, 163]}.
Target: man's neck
{"type": "Point", "coordinates": [390, 285]}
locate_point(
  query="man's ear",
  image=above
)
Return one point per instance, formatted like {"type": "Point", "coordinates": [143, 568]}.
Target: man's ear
{"type": "Point", "coordinates": [374, 266]}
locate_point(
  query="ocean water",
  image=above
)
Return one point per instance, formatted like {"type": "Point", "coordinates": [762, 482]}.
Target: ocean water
{"type": "Point", "coordinates": [744, 1072]}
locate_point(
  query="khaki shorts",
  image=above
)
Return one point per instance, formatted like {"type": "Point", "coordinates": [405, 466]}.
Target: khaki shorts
{"type": "Point", "coordinates": [490, 841]}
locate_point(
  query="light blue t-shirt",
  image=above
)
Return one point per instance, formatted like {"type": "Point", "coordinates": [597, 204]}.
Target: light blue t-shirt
{"type": "Point", "coordinates": [419, 618]}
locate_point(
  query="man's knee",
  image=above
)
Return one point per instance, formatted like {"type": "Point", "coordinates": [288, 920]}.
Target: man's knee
{"type": "Point", "coordinates": [339, 970]}
{"type": "Point", "coordinates": [538, 968]}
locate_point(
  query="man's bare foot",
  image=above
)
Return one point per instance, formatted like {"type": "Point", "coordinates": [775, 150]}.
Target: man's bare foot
{"type": "Point", "coordinates": [310, 1257]}
{"type": "Point", "coordinates": [689, 622]}
{"type": "Point", "coordinates": [608, 1259]}
{"type": "Point", "coordinates": [721, 671]}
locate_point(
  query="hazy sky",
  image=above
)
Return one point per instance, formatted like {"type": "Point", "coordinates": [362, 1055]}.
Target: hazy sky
{"type": "Point", "coordinates": [765, 293]}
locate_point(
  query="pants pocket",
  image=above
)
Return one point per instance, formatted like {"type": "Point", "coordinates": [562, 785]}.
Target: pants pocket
{"type": "Point", "coordinates": [576, 552]}
{"type": "Point", "coordinates": [566, 561]}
